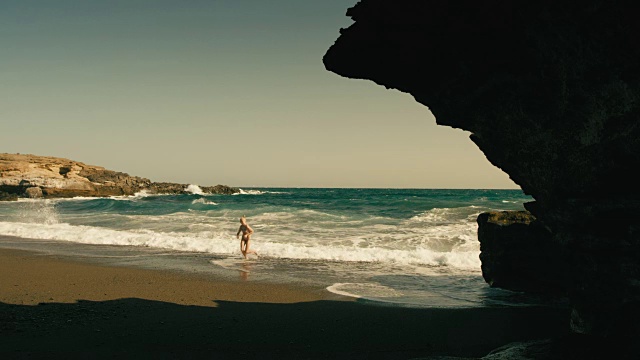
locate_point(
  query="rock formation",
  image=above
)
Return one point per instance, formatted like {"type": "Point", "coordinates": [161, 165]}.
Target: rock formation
{"type": "Point", "coordinates": [519, 254]}
{"type": "Point", "coordinates": [50, 177]}
{"type": "Point", "coordinates": [550, 92]}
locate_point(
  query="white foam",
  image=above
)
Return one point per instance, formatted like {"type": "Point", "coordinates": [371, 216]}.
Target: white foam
{"type": "Point", "coordinates": [249, 192]}
{"type": "Point", "coordinates": [258, 192]}
{"type": "Point", "coordinates": [273, 216]}
{"type": "Point", "coordinates": [143, 193]}
{"type": "Point", "coordinates": [194, 189]}
{"type": "Point", "coordinates": [446, 215]}
{"type": "Point", "coordinates": [38, 211]}
{"type": "Point", "coordinates": [234, 263]}
{"type": "Point", "coordinates": [206, 241]}
{"type": "Point", "coordinates": [363, 290]}
{"type": "Point", "coordinates": [203, 201]}
{"type": "Point", "coordinates": [124, 197]}
{"type": "Point", "coordinates": [224, 242]}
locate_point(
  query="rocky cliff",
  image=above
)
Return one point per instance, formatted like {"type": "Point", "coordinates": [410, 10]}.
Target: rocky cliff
{"type": "Point", "coordinates": [50, 177]}
{"type": "Point", "coordinates": [550, 92]}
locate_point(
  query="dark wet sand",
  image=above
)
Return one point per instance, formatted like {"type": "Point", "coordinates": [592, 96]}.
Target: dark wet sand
{"type": "Point", "coordinates": [53, 307]}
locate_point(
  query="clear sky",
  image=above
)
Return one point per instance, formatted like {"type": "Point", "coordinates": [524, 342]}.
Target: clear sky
{"type": "Point", "coordinates": [215, 92]}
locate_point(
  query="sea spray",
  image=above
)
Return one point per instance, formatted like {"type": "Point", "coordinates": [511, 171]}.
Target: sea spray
{"type": "Point", "coordinates": [194, 189]}
{"type": "Point", "coordinates": [38, 211]}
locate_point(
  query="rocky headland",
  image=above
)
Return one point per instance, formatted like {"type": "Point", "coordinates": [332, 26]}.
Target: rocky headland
{"type": "Point", "coordinates": [550, 92]}
{"type": "Point", "coordinates": [32, 176]}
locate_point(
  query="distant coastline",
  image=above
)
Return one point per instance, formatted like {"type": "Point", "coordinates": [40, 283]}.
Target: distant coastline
{"type": "Point", "coordinates": [33, 176]}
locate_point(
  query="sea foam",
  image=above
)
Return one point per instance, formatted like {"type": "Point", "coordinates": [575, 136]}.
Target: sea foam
{"type": "Point", "coordinates": [225, 243]}
{"type": "Point", "coordinates": [203, 201]}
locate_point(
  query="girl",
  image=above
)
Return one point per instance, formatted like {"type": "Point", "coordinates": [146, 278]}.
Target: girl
{"type": "Point", "coordinates": [246, 231]}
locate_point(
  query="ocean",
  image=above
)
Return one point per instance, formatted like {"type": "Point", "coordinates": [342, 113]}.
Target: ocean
{"type": "Point", "coordinates": [399, 247]}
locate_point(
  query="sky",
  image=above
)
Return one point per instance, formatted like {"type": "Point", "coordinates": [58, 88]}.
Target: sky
{"type": "Point", "coordinates": [213, 92]}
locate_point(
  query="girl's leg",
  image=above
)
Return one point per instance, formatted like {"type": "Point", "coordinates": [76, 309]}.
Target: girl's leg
{"type": "Point", "coordinates": [250, 251]}
{"type": "Point", "coordinates": [243, 247]}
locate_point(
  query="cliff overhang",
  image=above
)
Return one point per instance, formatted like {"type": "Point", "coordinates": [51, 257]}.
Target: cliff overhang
{"type": "Point", "coordinates": [550, 91]}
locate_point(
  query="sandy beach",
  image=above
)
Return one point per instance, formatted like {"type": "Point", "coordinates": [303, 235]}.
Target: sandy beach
{"type": "Point", "coordinates": [53, 307]}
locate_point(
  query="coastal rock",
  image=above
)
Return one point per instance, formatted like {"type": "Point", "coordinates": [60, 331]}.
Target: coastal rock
{"type": "Point", "coordinates": [220, 189]}
{"type": "Point", "coordinates": [166, 188]}
{"type": "Point", "coordinates": [519, 254]}
{"type": "Point", "coordinates": [550, 92]}
{"type": "Point", "coordinates": [50, 177]}
{"type": "Point", "coordinates": [4, 196]}
{"type": "Point", "coordinates": [33, 192]}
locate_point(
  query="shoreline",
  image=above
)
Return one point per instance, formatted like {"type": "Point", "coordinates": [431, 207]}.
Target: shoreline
{"type": "Point", "coordinates": [52, 306]}
{"type": "Point", "coordinates": [35, 278]}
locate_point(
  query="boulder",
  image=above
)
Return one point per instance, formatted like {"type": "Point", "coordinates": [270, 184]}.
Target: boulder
{"type": "Point", "coordinates": [518, 253]}
{"type": "Point", "coordinates": [220, 189]}
{"type": "Point", "coordinates": [33, 192]}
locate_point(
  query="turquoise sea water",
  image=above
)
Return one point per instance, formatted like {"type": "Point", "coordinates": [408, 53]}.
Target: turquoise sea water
{"type": "Point", "coordinates": [408, 247]}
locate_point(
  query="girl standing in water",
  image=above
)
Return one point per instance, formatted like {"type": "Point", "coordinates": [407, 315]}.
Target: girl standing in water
{"type": "Point", "coordinates": [246, 231]}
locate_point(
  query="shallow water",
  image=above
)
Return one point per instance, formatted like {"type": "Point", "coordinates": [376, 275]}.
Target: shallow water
{"type": "Point", "coordinates": [405, 247]}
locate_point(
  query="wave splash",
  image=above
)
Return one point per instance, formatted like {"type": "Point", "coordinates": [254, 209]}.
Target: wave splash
{"type": "Point", "coordinates": [194, 189]}
{"type": "Point", "coordinates": [219, 242]}
{"type": "Point", "coordinates": [203, 201]}
{"type": "Point", "coordinates": [249, 192]}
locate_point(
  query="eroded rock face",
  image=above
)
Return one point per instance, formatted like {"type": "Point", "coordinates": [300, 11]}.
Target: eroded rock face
{"type": "Point", "coordinates": [50, 177]}
{"type": "Point", "coordinates": [519, 254]}
{"type": "Point", "coordinates": [550, 92]}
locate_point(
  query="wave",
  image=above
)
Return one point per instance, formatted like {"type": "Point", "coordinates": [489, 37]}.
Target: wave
{"type": "Point", "coordinates": [139, 195]}
{"type": "Point", "coordinates": [194, 189]}
{"type": "Point", "coordinates": [258, 192]}
{"type": "Point", "coordinates": [210, 242]}
{"type": "Point", "coordinates": [203, 201]}
{"type": "Point", "coordinates": [223, 243]}
{"type": "Point", "coordinates": [249, 192]}
{"type": "Point", "coordinates": [448, 215]}
{"type": "Point", "coordinates": [363, 290]}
